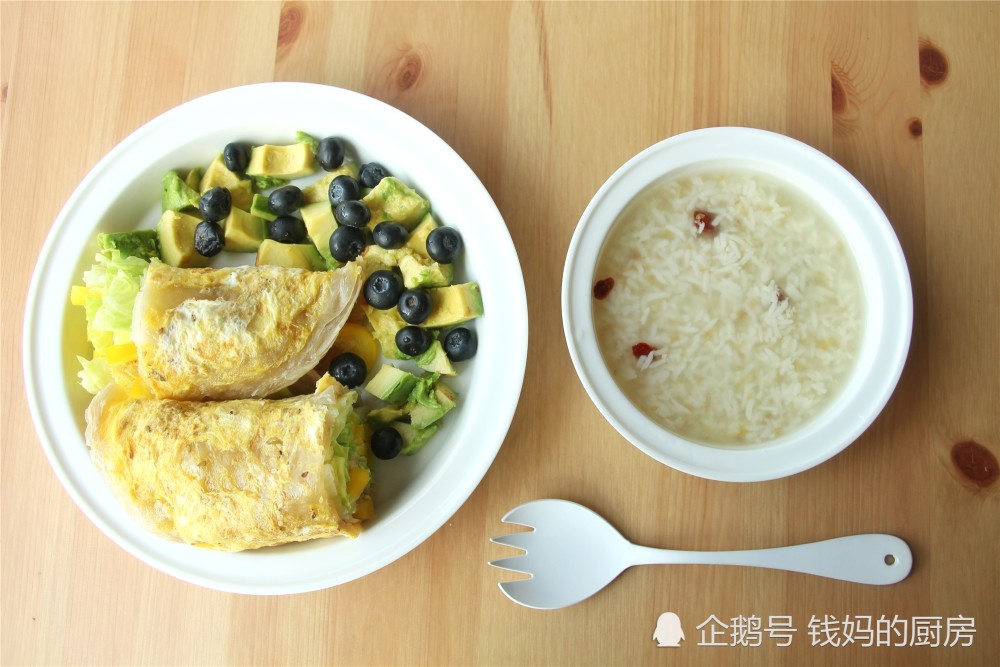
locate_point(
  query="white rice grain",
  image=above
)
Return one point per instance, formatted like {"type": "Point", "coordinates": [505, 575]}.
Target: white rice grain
{"type": "Point", "coordinates": [756, 325]}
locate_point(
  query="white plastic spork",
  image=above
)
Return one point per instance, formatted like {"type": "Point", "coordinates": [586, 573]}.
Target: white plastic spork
{"type": "Point", "coordinates": [573, 553]}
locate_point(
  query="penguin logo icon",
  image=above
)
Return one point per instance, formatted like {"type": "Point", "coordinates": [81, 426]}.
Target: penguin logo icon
{"type": "Point", "coordinates": [668, 630]}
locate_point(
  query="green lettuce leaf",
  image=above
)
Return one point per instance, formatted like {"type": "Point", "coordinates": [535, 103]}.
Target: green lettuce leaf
{"type": "Point", "coordinates": [112, 283]}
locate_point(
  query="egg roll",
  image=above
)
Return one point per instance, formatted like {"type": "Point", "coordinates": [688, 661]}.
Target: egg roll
{"type": "Point", "coordinates": [241, 332]}
{"type": "Point", "coordinates": [233, 475]}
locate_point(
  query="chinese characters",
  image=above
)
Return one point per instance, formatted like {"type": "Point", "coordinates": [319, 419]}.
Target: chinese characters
{"type": "Point", "coordinates": [831, 630]}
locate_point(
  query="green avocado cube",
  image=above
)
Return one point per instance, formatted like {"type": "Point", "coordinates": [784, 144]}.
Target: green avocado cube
{"type": "Point", "coordinates": [417, 240]}
{"type": "Point", "coordinates": [290, 255]}
{"type": "Point", "coordinates": [391, 384]}
{"type": "Point", "coordinates": [320, 225]}
{"type": "Point", "coordinates": [176, 234]}
{"type": "Point", "coordinates": [283, 162]}
{"type": "Point", "coordinates": [375, 258]}
{"type": "Point", "coordinates": [260, 207]}
{"type": "Point", "coordinates": [193, 178]}
{"type": "Point", "coordinates": [393, 200]}
{"type": "Point", "coordinates": [384, 416]}
{"type": "Point", "coordinates": [421, 271]}
{"type": "Point", "coordinates": [414, 438]}
{"type": "Point", "coordinates": [435, 360]}
{"type": "Point", "coordinates": [218, 175]}
{"type": "Point", "coordinates": [429, 401]}
{"type": "Point", "coordinates": [243, 232]}
{"type": "Point", "coordinates": [175, 194]}
{"type": "Point", "coordinates": [144, 243]}
{"type": "Point", "coordinates": [454, 304]}
{"type": "Point", "coordinates": [385, 324]}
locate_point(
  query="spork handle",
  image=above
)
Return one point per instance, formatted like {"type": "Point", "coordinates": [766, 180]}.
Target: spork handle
{"type": "Point", "coordinates": [864, 559]}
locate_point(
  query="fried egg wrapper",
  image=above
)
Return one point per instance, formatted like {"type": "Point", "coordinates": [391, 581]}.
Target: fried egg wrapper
{"type": "Point", "coordinates": [228, 475]}
{"type": "Point", "coordinates": [240, 332]}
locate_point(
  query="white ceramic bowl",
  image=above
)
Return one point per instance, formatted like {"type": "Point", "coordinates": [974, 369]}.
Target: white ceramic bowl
{"type": "Point", "coordinates": [415, 495]}
{"type": "Point", "coordinates": [888, 318]}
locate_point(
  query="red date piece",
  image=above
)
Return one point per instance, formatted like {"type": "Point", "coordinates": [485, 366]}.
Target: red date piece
{"type": "Point", "coordinates": [640, 350]}
{"type": "Point", "coordinates": [602, 288]}
{"type": "Point", "coordinates": [703, 222]}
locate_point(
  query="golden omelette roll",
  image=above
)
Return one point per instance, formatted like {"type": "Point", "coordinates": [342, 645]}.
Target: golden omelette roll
{"type": "Point", "coordinates": [232, 475]}
{"type": "Point", "coordinates": [242, 332]}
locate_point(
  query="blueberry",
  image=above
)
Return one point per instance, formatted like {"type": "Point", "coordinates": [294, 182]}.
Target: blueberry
{"type": "Point", "coordinates": [287, 229]}
{"type": "Point", "coordinates": [349, 369]}
{"type": "Point", "coordinates": [346, 243]}
{"type": "Point", "coordinates": [372, 174]}
{"type": "Point", "coordinates": [382, 289]}
{"type": "Point", "coordinates": [444, 245]}
{"type": "Point", "coordinates": [285, 200]}
{"type": "Point", "coordinates": [413, 340]}
{"type": "Point", "coordinates": [352, 213]}
{"type": "Point", "coordinates": [386, 443]}
{"type": "Point", "coordinates": [460, 344]}
{"type": "Point", "coordinates": [330, 153]}
{"type": "Point", "coordinates": [344, 188]}
{"type": "Point", "coordinates": [414, 305]}
{"type": "Point", "coordinates": [236, 156]}
{"type": "Point", "coordinates": [390, 235]}
{"type": "Point", "coordinates": [208, 238]}
{"type": "Point", "coordinates": [215, 204]}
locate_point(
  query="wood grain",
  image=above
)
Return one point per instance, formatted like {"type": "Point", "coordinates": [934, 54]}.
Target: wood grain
{"type": "Point", "coordinates": [544, 101]}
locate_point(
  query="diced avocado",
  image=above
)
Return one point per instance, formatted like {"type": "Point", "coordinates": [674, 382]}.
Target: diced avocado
{"type": "Point", "coordinates": [176, 233]}
{"type": "Point", "coordinates": [429, 401]}
{"type": "Point", "coordinates": [435, 360]}
{"type": "Point", "coordinates": [193, 178]}
{"type": "Point", "coordinates": [454, 304]}
{"type": "Point", "coordinates": [393, 200]}
{"type": "Point", "coordinates": [287, 162]}
{"type": "Point", "coordinates": [375, 258]}
{"type": "Point", "coordinates": [417, 241]}
{"type": "Point", "coordinates": [217, 175]}
{"type": "Point", "coordinates": [414, 438]}
{"type": "Point", "coordinates": [391, 384]}
{"type": "Point", "coordinates": [243, 231]}
{"type": "Point", "coordinates": [380, 417]}
{"type": "Point", "coordinates": [385, 324]}
{"type": "Point", "coordinates": [267, 182]}
{"type": "Point", "coordinates": [421, 271]}
{"type": "Point", "coordinates": [320, 224]}
{"type": "Point", "coordinates": [144, 243]}
{"type": "Point", "coordinates": [319, 190]}
{"type": "Point", "coordinates": [175, 194]}
{"type": "Point", "coordinates": [306, 138]}
{"type": "Point", "coordinates": [260, 208]}
{"type": "Point", "coordinates": [290, 255]}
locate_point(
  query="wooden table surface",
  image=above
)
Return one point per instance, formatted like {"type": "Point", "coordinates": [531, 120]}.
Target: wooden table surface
{"type": "Point", "coordinates": [545, 101]}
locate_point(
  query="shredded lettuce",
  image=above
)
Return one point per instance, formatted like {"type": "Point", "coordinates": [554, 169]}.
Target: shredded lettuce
{"type": "Point", "coordinates": [111, 286]}
{"type": "Point", "coordinates": [344, 452]}
{"type": "Point", "coordinates": [336, 466]}
{"type": "Point", "coordinates": [96, 374]}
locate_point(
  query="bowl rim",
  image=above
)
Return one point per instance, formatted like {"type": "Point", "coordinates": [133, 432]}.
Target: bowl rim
{"type": "Point", "coordinates": [238, 572]}
{"type": "Point", "coordinates": [872, 241]}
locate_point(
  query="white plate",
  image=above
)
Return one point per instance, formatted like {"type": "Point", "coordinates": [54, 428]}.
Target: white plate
{"type": "Point", "coordinates": [415, 495]}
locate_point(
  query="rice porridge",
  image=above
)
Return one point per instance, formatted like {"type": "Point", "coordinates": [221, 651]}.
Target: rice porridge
{"type": "Point", "coordinates": [727, 307]}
